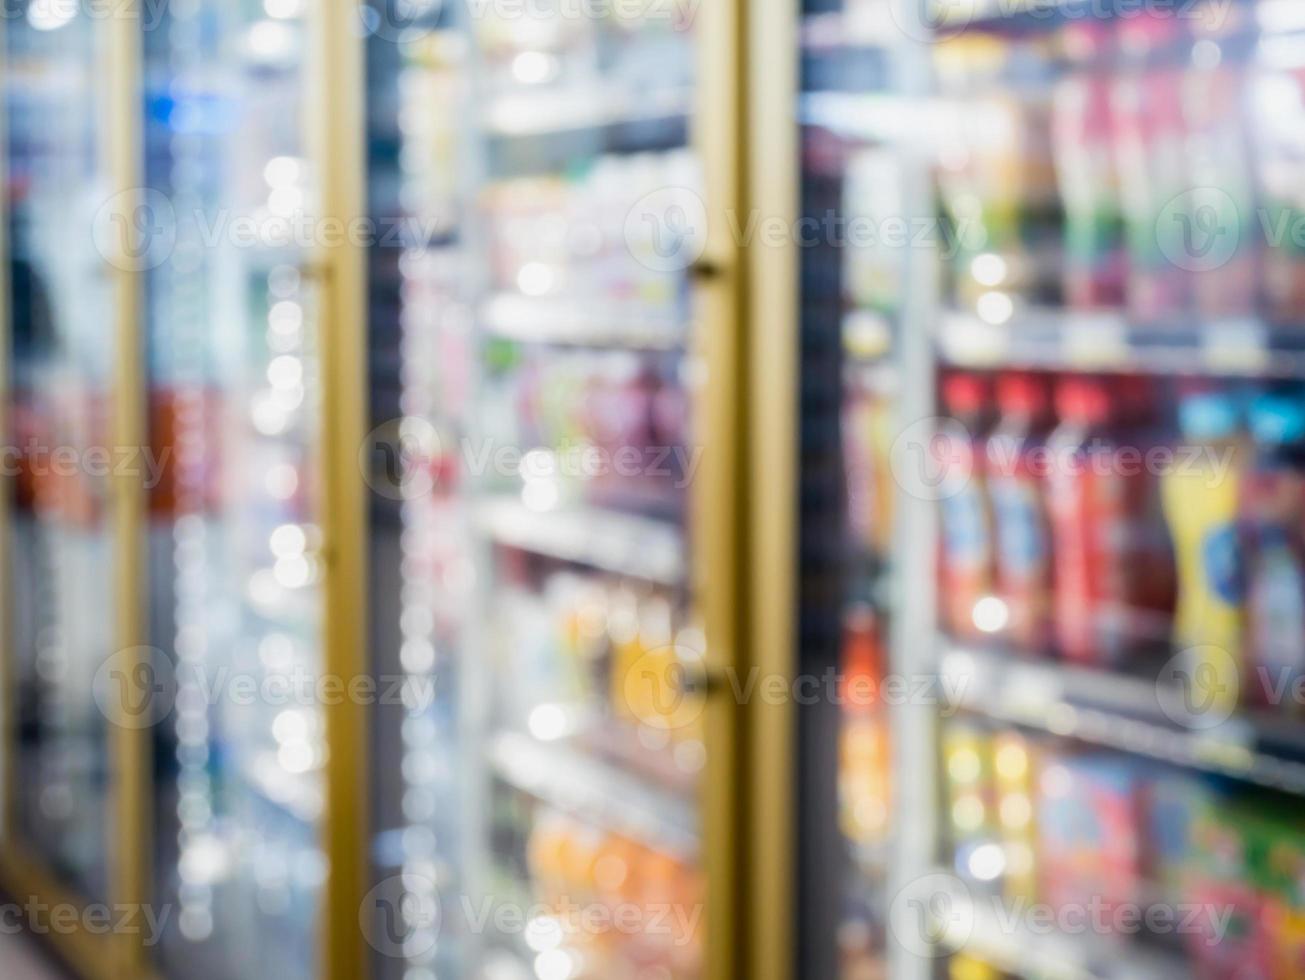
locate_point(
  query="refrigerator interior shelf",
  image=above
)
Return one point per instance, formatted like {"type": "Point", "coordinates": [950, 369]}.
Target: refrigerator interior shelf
{"type": "Point", "coordinates": [540, 114]}
{"type": "Point", "coordinates": [983, 929]}
{"type": "Point", "coordinates": [1021, 14]}
{"type": "Point", "coordinates": [872, 28]}
{"type": "Point", "coordinates": [1065, 340]}
{"type": "Point", "coordinates": [878, 117]}
{"type": "Point", "coordinates": [1137, 715]}
{"type": "Point", "coordinates": [590, 789]}
{"type": "Point", "coordinates": [570, 321]}
{"type": "Point", "coordinates": [626, 544]}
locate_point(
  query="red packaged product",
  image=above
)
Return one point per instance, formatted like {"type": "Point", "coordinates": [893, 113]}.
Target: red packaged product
{"type": "Point", "coordinates": [1112, 589]}
{"type": "Point", "coordinates": [967, 574]}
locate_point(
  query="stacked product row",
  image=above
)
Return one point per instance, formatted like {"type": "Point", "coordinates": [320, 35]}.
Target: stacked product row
{"type": "Point", "coordinates": [1118, 850]}
{"type": "Point", "coordinates": [1157, 178]}
{"type": "Point", "coordinates": [1080, 520]}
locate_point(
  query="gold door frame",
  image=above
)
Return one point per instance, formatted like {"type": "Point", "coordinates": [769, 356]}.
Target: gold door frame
{"type": "Point", "coordinates": [131, 776]}
{"type": "Point", "coordinates": [717, 494]}
{"type": "Point", "coordinates": [337, 141]}
{"type": "Point", "coordinates": [745, 503]}
{"type": "Point", "coordinates": [773, 192]}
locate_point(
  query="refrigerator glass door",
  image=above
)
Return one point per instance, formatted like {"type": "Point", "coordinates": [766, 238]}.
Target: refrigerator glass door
{"type": "Point", "coordinates": [852, 273]}
{"type": "Point", "coordinates": [60, 453]}
{"type": "Point", "coordinates": [540, 468]}
{"type": "Point", "coordinates": [235, 529]}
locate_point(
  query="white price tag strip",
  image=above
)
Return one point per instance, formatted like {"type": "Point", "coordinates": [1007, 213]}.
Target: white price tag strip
{"type": "Point", "coordinates": [1096, 341]}
{"type": "Point", "coordinates": [1235, 346]}
{"type": "Point", "coordinates": [970, 341]}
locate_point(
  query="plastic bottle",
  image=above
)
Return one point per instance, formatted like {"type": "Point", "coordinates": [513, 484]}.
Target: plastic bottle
{"type": "Point", "coordinates": [864, 756]}
{"type": "Point", "coordinates": [1089, 520]}
{"type": "Point", "coordinates": [1144, 438]}
{"type": "Point", "coordinates": [1015, 487]}
{"type": "Point", "coordinates": [1273, 502]}
{"type": "Point", "coordinates": [1216, 105]}
{"type": "Point", "coordinates": [967, 540]}
{"type": "Point", "coordinates": [1151, 157]}
{"type": "Point", "coordinates": [1277, 118]}
{"type": "Point", "coordinates": [1200, 494]}
{"type": "Point", "coordinates": [1085, 167]}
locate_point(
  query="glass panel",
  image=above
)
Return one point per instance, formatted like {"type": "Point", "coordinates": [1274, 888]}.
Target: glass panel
{"type": "Point", "coordinates": [852, 277]}
{"type": "Point", "coordinates": [1113, 461]}
{"type": "Point", "coordinates": [538, 482]}
{"type": "Point", "coordinates": [1120, 380]}
{"type": "Point", "coordinates": [62, 342]}
{"type": "Point", "coordinates": [235, 410]}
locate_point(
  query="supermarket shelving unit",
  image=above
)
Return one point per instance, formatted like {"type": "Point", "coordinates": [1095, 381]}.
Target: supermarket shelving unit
{"type": "Point", "coordinates": [1131, 714]}
{"type": "Point", "coordinates": [740, 559]}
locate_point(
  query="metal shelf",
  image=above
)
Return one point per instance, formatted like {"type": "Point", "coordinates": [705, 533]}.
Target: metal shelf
{"type": "Point", "coordinates": [835, 30]}
{"type": "Point", "coordinates": [977, 928]}
{"type": "Point", "coordinates": [541, 114]}
{"type": "Point", "coordinates": [514, 316]}
{"type": "Point", "coordinates": [878, 117]}
{"type": "Point", "coordinates": [597, 791]}
{"type": "Point", "coordinates": [1128, 713]}
{"type": "Point", "coordinates": [626, 544]}
{"type": "Point", "coordinates": [1023, 15]}
{"type": "Point", "coordinates": [1064, 340]}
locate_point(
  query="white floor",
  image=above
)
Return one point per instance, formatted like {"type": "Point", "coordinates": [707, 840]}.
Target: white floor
{"type": "Point", "coordinates": [20, 960]}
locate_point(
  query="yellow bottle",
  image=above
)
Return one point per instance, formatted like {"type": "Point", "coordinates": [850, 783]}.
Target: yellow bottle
{"type": "Point", "coordinates": [1200, 494]}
